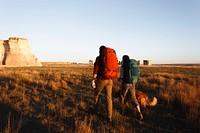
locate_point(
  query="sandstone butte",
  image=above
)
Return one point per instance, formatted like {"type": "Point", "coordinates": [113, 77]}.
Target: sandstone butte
{"type": "Point", "coordinates": [17, 52]}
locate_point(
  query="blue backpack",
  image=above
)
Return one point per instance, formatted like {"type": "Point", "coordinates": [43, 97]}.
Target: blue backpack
{"type": "Point", "coordinates": [131, 72]}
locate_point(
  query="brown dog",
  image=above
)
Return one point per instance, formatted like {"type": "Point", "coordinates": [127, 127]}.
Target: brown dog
{"type": "Point", "coordinates": [142, 98]}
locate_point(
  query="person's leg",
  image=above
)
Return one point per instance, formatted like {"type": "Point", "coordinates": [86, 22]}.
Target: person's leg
{"type": "Point", "coordinates": [138, 108]}
{"type": "Point", "coordinates": [134, 100]}
{"type": "Point", "coordinates": [125, 93]}
{"type": "Point", "coordinates": [109, 98]}
{"type": "Point", "coordinates": [133, 96]}
{"type": "Point", "coordinates": [100, 84]}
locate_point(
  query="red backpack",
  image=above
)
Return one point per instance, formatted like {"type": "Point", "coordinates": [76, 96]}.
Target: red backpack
{"type": "Point", "coordinates": [110, 62]}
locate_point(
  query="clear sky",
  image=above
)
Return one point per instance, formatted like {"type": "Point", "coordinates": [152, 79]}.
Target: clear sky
{"type": "Point", "coordinates": [164, 31]}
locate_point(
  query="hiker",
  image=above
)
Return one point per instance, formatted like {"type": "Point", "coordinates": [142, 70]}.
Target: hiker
{"type": "Point", "coordinates": [105, 69]}
{"type": "Point", "coordinates": [129, 75]}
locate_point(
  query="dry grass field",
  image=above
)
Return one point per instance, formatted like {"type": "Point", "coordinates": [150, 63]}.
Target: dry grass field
{"type": "Point", "coordinates": [58, 98]}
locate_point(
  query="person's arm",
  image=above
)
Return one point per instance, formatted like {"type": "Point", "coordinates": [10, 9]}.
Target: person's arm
{"type": "Point", "coordinates": [96, 67]}
{"type": "Point", "coordinates": [121, 74]}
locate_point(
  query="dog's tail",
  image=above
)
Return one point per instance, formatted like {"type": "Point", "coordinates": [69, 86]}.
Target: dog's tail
{"type": "Point", "coordinates": [153, 102]}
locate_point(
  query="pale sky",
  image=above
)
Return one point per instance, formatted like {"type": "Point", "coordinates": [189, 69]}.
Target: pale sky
{"type": "Point", "coordinates": [164, 31]}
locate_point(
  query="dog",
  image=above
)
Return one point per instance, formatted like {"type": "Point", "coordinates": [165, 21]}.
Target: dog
{"type": "Point", "coordinates": [142, 98]}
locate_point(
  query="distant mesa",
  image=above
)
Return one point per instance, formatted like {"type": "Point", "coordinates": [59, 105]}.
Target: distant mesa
{"type": "Point", "coordinates": [17, 52]}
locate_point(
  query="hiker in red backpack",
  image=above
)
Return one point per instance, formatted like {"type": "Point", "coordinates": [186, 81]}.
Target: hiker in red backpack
{"type": "Point", "coordinates": [105, 69]}
{"type": "Point", "coordinates": [129, 76]}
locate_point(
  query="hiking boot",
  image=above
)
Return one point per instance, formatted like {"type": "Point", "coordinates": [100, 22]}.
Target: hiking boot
{"type": "Point", "coordinates": [109, 119]}
{"type": "Point", "coordinates": [141, 116]}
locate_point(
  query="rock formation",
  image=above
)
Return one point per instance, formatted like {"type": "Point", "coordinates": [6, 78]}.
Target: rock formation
{"type": "Point", "coordinates": [17, 52]}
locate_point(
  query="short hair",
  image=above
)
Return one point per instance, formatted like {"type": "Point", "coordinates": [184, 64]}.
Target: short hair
{"type": "Point", "coordinates": [101, 48]}
{"type": "Point", "coordinates": [125, 58]}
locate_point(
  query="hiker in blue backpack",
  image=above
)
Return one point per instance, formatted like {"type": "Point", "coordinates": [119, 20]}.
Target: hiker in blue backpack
{"type": "Point", "coordinates": [129, 76]}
